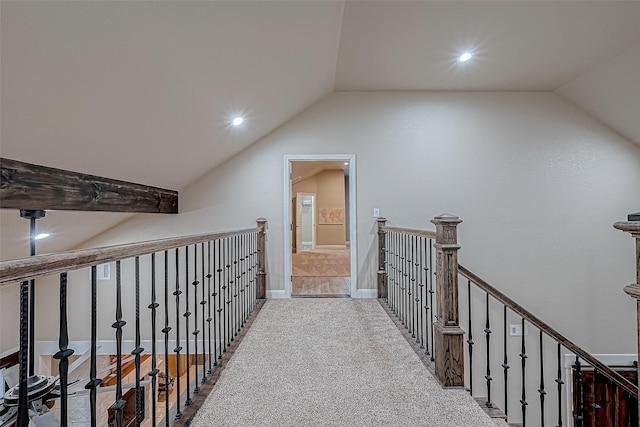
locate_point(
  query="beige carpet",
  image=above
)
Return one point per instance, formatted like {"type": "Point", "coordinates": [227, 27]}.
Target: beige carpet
{"type": "Point", "coordinates": [321, 263]}
{"type": "Point", "coordinates": [331, 362]}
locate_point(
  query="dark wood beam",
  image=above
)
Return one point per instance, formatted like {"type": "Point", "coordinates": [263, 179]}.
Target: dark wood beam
{"type": "Point", "coordinates": [35, 187]}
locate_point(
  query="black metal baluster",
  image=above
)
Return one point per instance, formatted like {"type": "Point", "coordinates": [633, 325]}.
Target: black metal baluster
{"type": "Point", "coordinates": [559, 382]}
{"type": "Point", "coordinates": [419, 297]}
{"type": "Point", "coordinates": [410, 285]}
{"type": "Point", "coordinates": [243, 276]}
{"type": "Point", "coordinates": [579, 410]}
{"type": "Point", "coordinates": [391, 271]}
{"type": "Point", "coordinates": [138, 350]}
{"type": "Point", "coordinates": [93, 381]}
{"type": "Point", "coordinates": [487, 333]}
{"type": "Point", "coordinates": [166, 331]}
{"type": "Point", "coordinates": [414, 284]}
{"type": "Point", "coordinates": [178, 347]}
{"type": "Point", "coordinates": [220, 309]}
{"type": "Point", "coordinates": [236, 304]}
{"type": "Point", "coordinates": [505, 360]}
{"type": "Point", "coordinates": [23, 404]}
{"type": "Point", "coordinates": [228, 292]}
{"type": "Point", "coordinates": [431, 292]}
{"type": "Point", "coordinates": [594, 390]}
{"type": "Point", "coordinates": [406, 282]}
{"type": "Point", "coordinates": [154, 354]}
{"type": "Point", "coordinates": [63, 354]}
{"type": "Point", "coordinates": [470, 341]}
{"type": "Point", "coordinates": [212, 354]}
{"type": "Point", "coordinates": [416, 288]}
{"type": "Point", "coordinates": [118, 325]}
{"type": "Point", "coordinates": [523, 358]}
{"type": "Point", "coordinates": [203, 303]}
{"type": "Point", "coordinates": [195, 332]}
{"type": "Point", "coordinates": [425, 306]}
{"type": "Point", "coordinates": [186, 316]}
{"type": "Point", "coordinates": [541, 390]}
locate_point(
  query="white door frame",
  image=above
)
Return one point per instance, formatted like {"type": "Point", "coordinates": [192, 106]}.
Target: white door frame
{"type": "Point", "coordinates": [288, 221]}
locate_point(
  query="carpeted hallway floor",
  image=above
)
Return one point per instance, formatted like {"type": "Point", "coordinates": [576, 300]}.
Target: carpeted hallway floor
{"type": "Point", "coordinates": [331, 362]}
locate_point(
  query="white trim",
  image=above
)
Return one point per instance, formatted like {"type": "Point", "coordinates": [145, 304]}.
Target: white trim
{"type": "Point", "coordinates": [607, 359]}
{"type": "Point", "coordinates": [353, 243]}
{"type": "Point", "coordinates": [276, 293]}
{"type": "Point", "coordinates": [366, 293]}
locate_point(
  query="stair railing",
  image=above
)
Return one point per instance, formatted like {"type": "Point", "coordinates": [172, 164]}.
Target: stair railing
{"type": "Point", "coordinates": [432, 315]}
{"type": "Point", "coordinates": [200, 291]}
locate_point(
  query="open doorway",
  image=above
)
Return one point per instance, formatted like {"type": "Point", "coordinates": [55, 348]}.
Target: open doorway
{"type": "Point", "coordinates": [320, 226]}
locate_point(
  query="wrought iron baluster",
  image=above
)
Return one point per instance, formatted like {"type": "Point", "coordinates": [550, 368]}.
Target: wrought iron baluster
{"type": "Point", "coordinates": [505, 360]}
{"type": "Point", "coordinates": [431, 292]}
{"type": "Point", "coordinates": [409, 281]}
{"type": "Point", "coordinates": [425, 305]}
{"type": "Point", "coordinates": [195, 332]}
{"type": "Point", "coordinates": [236, 292]}
{"type": "Point", "coordinates": [154, 354]}
{"type": "Point", "coordinates": [541, 390]}
{"type": "Point", "coordinates": [138, 350]}
{"type": "Point", "coordinates": [203, 303]}
{"type": "Point", "coordinates": [243, 281]}
{"type": "Point", "coordinates": [416, 300]}
{"type": "Point", "coordinates": [406, 282]}
{"type": "Point", "coordinates": [559, 381]}
{"type": "Point", "coordinates": [595, 392]}
{"type": "Point", "coordinates": [419, 297]}
{"type": "Point", "coordinates": [229, 292]}
{"type": "Point", "coordinates": [63, 354]}
{"type": "Point", "coordinates": [579, 410]}
{"type": "Point", "coordinates": [23, 404]}
{"type": "Point", "coordinates": [487, 333]}
{"type": "Point", "coordinates": [119, 404]}
{"type": "Point", "coordinates": [186, 316]}
{"type": "Point", "coordinates": [220, 309]}
{"type": "Point", "coordinates": [212, 353]}
{"type": "Point", "coordinates": [94, 382]}
{"type": "Point", "coordinates": [470, 341]}
{"type": "Point", "coordinates": [166, 331]}
{"type": "Point", "coordinates": [523, 357]}
{"type": "Point", "coordinates": [178, 347]}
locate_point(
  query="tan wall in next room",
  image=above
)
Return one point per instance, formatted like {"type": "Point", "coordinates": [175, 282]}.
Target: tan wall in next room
{"type": "Point", "coordinates": [328, 186]}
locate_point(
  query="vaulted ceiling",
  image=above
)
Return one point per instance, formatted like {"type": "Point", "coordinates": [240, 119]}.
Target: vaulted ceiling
{"type": "Point", "coordinates": [145, 91]}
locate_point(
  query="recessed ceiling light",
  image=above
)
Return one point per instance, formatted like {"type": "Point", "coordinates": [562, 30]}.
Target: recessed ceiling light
{"type": "Point", "coordinates": [465, 57]}
{"type": "Point", "coordinates": [346, 163]}
{"type": "Point", "coordinates": [42, 236]}
{"type": "Point", "coordinates": [237, 121]}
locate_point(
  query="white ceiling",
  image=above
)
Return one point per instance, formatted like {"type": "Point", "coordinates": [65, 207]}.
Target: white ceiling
{"type": "Point", "coordinates": [144, 91]}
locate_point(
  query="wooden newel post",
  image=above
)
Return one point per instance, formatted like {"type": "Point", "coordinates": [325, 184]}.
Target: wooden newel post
{"type": "Point", "coordinates": [448, 336]}
{"type": "Point", "coordinates": [633, 227]}
{"type": "Point", "coordinates": [382, 262]}
{"type": "Point", "coordinates": [262, 258]}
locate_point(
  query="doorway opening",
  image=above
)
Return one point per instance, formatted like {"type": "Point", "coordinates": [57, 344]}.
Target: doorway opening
{"type": "Point", "coordinates": [320, 250]}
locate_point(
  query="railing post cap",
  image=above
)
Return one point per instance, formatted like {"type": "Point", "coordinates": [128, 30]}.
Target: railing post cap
{"type": "Point", "coordinates": [381, 219]}
{"type": "Point", "coordinates": [632, 227]}
{"type": "Point", "coordinates": [261, 220]}
{"type": "Point", "coordinates": [446, 218]}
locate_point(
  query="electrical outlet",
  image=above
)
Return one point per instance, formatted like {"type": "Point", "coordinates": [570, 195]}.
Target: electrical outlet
{"type": "Point", "coordinates": [516, 330]}
{"type": "Point", "coordinates": [376, 212]}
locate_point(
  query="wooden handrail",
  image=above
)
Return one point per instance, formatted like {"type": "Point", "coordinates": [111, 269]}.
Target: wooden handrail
{"type": "Point", "coordinates": [41, 265]}
{"type": "Point", "coordinates": [544, 327]}
{"type": "Point", "coordinates": [421, 233]}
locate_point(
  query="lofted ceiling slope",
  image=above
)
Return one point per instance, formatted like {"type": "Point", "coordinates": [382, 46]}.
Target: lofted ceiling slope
{"type": "Point", "coordinates": [145, 91]}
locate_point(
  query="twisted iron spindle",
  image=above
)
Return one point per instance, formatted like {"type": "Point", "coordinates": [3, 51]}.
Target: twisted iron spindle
{"type": "Point", "coordinates": [594, 390]}
{"type": "Point", "coordinates": [118, 325]}
{"type": "Point", "coordinates": [63, 354]}
{"type": "Point", "coordinates": [178, 347]}
{"type": "Point", "coordinates": [23, 404]}
{"type": "Point", "coordinates": [541, 390]}
{"type": "Point", "coordinates": [523, 357]}
{"type": "Point", "coordinates": [487, 333]}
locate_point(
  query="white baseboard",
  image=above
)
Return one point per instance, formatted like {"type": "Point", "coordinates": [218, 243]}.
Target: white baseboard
{"type": "Point", "coordinates": [366, 293]}
{"type": "Point", "coordinates": [276, 293]}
